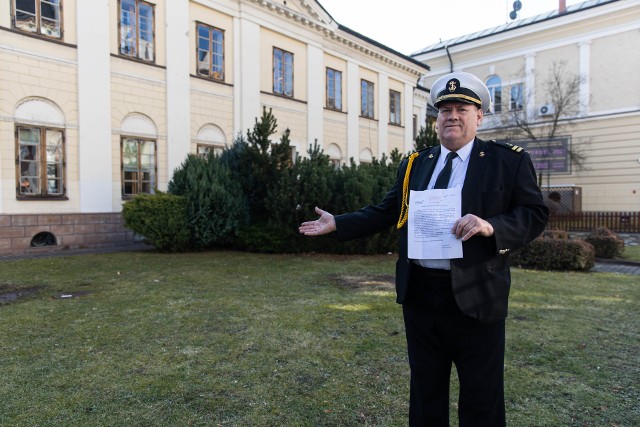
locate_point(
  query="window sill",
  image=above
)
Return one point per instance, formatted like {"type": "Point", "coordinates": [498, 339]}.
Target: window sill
{"type": "Point", "coordinates": [40, 198]}
{"type": "Point", "coordinates": [39, 36]}
{"type": "Point", "coordinates": [277, 95]}
{"type": "Point", "coordinates": [210, 79]}
{"type": "Point", "coordinates": [137, 60]}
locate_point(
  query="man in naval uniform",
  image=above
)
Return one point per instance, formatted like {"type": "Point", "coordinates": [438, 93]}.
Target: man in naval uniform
{"type": "Point", "coordinates": [455, 309]}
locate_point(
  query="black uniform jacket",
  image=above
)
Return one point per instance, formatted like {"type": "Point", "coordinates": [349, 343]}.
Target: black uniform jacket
{"type": "Point", "coordinates": [500, 187]}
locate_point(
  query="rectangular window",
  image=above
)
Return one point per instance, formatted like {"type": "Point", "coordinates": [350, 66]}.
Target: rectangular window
{"type": "Point", "coordinates": [138, 166]}
{"type": "Point", "coordinates": [282, 72]}
{"type": "Point", "coordinates": [394, 108]}
{"type": "Point", "coordinates": [366, 99]}
{"type": "Point", "coordinates": [136, 29]}
{"type": "Point", "coordinates": [40, 161]}
{"type": "Point", "coordinates": [415, 126]}
{"type": "Point", "coordinates": [334, 89]}
{"type": "Point", "coordinates": [42, 17]}
{"type": "Point", "coordinates": [203, 150]}
{"type": "Point", "coordinates": [517, 97]}
{"type": "Point", "coordinates": [210, 52]}
{"type": "Point", "coordinates": [496, 95]}
{"type": "Point", "coordinates": [494, 84]}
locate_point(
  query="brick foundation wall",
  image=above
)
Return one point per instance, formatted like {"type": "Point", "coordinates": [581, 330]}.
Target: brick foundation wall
{"type": "Point", "coordinates": [70, 231]}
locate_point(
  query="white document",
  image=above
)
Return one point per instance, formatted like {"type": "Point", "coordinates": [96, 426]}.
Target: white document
{"type": "Point", "coordinates": [431, 217]}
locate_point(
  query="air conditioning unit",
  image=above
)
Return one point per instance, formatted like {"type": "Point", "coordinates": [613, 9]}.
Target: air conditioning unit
{"type": "Point", "coordinates": [546, 110]}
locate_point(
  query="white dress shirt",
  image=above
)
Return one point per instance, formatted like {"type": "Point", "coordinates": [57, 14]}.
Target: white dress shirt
{"type": "Point", "coordinates": [459, 167]}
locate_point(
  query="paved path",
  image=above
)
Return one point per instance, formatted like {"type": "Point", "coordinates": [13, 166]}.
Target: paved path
{"type": "Point", "coordinates": [614, 267]}
{"type": "Point", "coordinates": [622, 267]}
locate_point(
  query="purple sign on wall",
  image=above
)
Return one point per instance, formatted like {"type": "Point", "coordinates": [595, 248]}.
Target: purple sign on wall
{"type": "Point", "coordinates": [551, 156]}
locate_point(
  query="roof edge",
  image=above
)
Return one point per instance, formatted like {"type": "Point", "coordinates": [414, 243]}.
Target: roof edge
{"type": "Point", "coordinates": [514, 25]}
{"type": "Point", "coordinates": [384, 47]}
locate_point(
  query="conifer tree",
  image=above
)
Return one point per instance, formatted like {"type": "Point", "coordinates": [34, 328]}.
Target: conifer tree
{"type": "Point", "coordinates": [261, 160]}
{"type": "Point", "coordinates": [427, 135]}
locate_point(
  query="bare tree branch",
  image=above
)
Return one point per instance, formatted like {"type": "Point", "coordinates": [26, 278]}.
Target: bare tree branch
{"type": "Point", "coordinates": [561, 90]}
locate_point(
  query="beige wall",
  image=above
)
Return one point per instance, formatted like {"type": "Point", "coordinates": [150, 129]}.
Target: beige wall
{"type": "Point", "coordinates": [609, 56]}
{"type": "Point", "coordinates": [601, 46]}
{"type": "Point", "coordinates": [68, 20]}
{"type": "Point", "coordinates": [159, 29]}
{"type": "Point", "coordinates": [610, 176]}
{"type": "Point", "coordinates": [211, 103]}
{"type": "Point", "coordinates": [395, 133]}
{"type": "Point", "coordinates": [37, 68]}
{"type": "Point", "coordinates": [270, 39]}
{"type": "Point", "coordinates": [337, 64]}
{"type": "Point", "coordinates": [48, 73]}
{"type": "Point", "coordinates": [213, 18]}
{"type": "Point", "coordinates": [335, 131]}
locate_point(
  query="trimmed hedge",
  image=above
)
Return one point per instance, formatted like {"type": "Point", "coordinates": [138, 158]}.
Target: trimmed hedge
{"type": "Point", "coordinates": [607, 243]}
{"type": "Point", "coordinates": [161, 218]}
{"type": "Point", "coordinates": [555, 254]}
{"type": "Point", "coordinates": [555, 234]}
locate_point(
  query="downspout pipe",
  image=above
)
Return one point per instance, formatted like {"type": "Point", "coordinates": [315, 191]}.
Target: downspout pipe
{"type": "Point", "coordinates": [446, 47]}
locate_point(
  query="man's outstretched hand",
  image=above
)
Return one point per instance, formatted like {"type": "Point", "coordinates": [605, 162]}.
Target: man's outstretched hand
{"type": "Point", "coordinates": [323, 225]}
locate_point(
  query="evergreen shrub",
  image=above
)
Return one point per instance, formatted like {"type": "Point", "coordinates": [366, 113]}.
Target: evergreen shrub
{"type": "Point", "coordinates": [254, 197]}
{"type": "Point", "coordinates": [161, 219]}
{"type": "Point", "coordinates": [216, 205]}
{"type": "Point", "coordinates": [264, 238]}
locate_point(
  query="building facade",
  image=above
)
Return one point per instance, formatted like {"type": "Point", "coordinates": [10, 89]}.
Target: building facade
{"type": "Point", "coordinates": [592, 49]}
{"type": "Point", "coordinates": [101, 100]}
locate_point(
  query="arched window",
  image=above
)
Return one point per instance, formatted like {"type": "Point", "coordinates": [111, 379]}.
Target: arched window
{"type": "Point", "coordinates": [210, 139]}
{"type": "Point", "coordinates": [138, 155]}
{"type": "Point", "coordinates": [366, 156]}
{"type": "Point", "coordinates": [494, 84]}
{"type": "Point", "coordinates": [40, 149]}
{"type": "Point", "coordinates": [335, 155]}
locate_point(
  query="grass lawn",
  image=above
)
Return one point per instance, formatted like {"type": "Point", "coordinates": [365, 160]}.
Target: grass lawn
{"type": "Point", "coordinates": [236, 339]}
{"type": "Point", "coordinates": [631, 253]}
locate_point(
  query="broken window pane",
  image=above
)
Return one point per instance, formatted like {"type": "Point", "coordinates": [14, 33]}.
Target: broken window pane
{"type": "Point", "coordinates": [54, 162]}
{"type": "Point", "coordinates": [50, 17]}
{"type": "Point", "coordinates": [25, 18]}
{"type": "Point", "coordinates": [210, 52]}
{"type": "Point", "coordinates": [29, 142]}
{"type": "Point", "coordinates": [41, 161]}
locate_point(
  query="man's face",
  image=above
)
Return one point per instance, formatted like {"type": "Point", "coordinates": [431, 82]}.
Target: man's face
{"type": "Point", "coordinates": [457, 124]}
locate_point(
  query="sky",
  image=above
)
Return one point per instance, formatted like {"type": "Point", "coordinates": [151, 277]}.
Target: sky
{"type": "Point", "coordinates": [411, 25]}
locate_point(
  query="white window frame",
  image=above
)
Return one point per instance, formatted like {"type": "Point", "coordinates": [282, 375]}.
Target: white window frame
{"type": "Point", "coordinates": [367, 98]}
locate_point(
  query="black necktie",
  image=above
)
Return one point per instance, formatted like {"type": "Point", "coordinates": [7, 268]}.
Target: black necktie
{"type": "Point", "coordinates": [445, 173]}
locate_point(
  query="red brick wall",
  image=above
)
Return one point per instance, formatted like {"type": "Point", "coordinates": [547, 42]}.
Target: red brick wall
{"type": "Point", "coordinates": [71, 231]}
